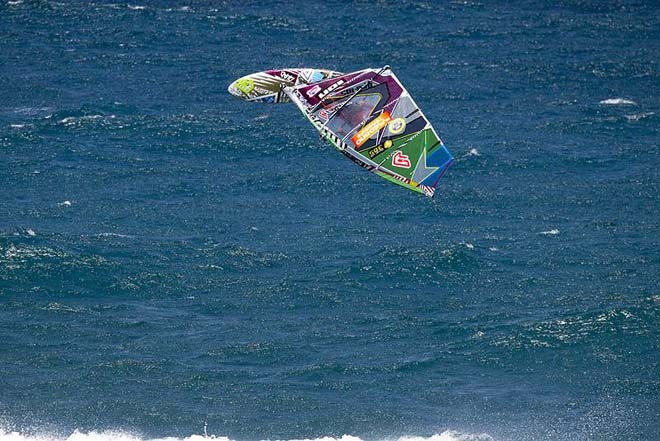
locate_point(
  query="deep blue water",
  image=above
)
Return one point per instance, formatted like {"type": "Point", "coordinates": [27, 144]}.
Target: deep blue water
{"type": "Point", "coordinates": [171, 256]}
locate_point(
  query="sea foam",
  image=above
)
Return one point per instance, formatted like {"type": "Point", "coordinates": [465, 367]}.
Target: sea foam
{"type": "Point", "coordinates": [448, 435]}
{"type": "Point", "coordinates": [638, 116]}
{"type": "Point", "coordinates": [73, 120]}
{"type": "Point", "coordinates": [618, 102]}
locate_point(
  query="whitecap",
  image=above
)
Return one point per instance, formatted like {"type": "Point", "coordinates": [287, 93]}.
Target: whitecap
{"type": "Point", "coordinates": [31, 111]}
{"type": "Point", "coordinates": [16, 126]}
{"type": "Point", "coordinates": [449, 435]}
{"type": "Point", "coordinates": [136, 8]}
{"type": "Point", "coordinates": [55, 306]}
{"type": "Point", "coordinates": [124, 236]}
{"type": "Point", "coordinates": [72, 120]}
{"type": "Point", "coordinates": [552, 232]}
{"type": "Point", "coordinates": [473, 152]}
{"type": "Point", "coordinates": [618, 102]}
{"type": "Point", "coordinates": [638, 116]}
{"type": "Point", "coordinates": [64, 204]}
{"type": "Point", "coordinates": [22, 254]}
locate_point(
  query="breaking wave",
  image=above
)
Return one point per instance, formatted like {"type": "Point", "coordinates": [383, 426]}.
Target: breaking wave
{"type": "Point", "coordinates": [618, 102]}
{"type": "Point", "coordinates": [448, 435]}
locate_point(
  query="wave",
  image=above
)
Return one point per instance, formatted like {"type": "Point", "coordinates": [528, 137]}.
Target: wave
{"type": "Point", "coordinates": [618, 102]}
{"type": "Point", "coordinates": [449, 435]}
{"type": "Point", "coordinates": [638, 116]}
{"type": "Point", "coordinates": [77, 120]}
{"type": "Point", "coordinates": [123, 236]}
{"type": "Point", "coordinates": [18, 254]}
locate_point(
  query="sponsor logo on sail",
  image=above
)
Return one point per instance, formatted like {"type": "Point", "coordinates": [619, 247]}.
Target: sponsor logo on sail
{"type": "Point", "coordinates": [330, 88]}
{"type": "Point", "coordinates": [287, 76]}
{"type": "Point", "coordinates": [245, 85]}
{"type": "Point", "coordinates": [371, 129]}
{"type": "Point", "coordinates": [313, 91]}
{"type": "Point", "coordinates": [379, 149]}
{"type": "Point", "coordinates": [400, 160]}
{"type": "Point", "coordinates": [397, 126]}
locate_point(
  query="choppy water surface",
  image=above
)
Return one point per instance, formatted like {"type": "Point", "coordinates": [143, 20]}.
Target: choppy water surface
{"type": "Point", "coordinates": [172, 258]}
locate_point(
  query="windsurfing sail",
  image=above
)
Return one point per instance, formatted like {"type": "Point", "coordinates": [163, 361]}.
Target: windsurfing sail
{"type": "Point", "coordinates": [266, 87]}
{"type": "Point", "coordinates": [372, 119]}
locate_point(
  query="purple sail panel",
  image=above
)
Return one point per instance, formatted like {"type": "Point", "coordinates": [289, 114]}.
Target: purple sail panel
{"type": "Point", "coordinates": [314, 94]}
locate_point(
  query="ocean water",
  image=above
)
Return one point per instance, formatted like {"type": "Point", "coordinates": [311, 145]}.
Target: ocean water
{"type": "Point", "coordinates": [177, 264]}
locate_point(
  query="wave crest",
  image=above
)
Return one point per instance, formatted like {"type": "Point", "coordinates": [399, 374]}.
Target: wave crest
{"type": "Point", "coordinates": [448, 435]}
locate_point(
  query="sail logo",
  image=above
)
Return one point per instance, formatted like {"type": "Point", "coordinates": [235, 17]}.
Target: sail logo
{"type": "Point", "coordinates": [397, 126]}
{"type": "Point", "coordinates": [371, 129]}
{"type": "Point", "coordinates": [313, 91]}
{"type": "Point", "coordinates": [330, 88]}
{"type": "Point", "coordinates": [287, 77]}
{"type": "Point", "coordinates": [245, 85]}
{"type": "Point", "coordinates": [379, 149]}
{"type": "Point", "coordinates": [400, 160]}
